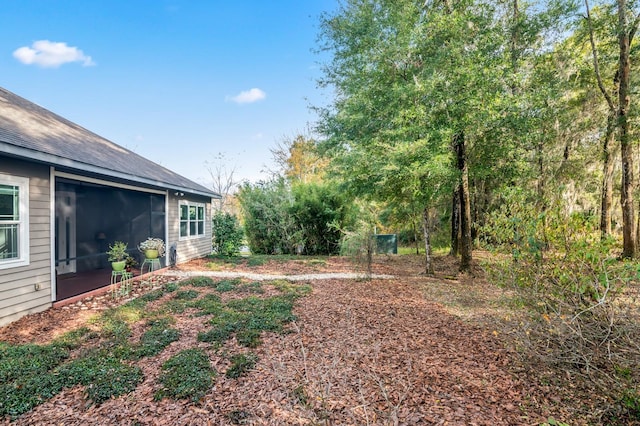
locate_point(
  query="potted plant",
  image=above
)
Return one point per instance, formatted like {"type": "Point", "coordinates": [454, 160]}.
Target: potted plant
{"type": "Point", "coordinates": [117, 255]}
{"type": "Point", "coordinates": [152, 248]}
{"type": "Point", "coordinates": [130, 263]}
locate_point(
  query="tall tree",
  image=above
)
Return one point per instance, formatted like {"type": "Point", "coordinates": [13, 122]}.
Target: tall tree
{"type": "Point", "coordinates": [609, 135]}
{"type": "Point", "coordinates": [410, 74]}
{"type": "Point", "coordinates": [625, 36]}
{"type": "Point", "coordinates": [376, 127]}
{"type": "Point", "coordinates": [471, 88]}
{"type": "Point", "coordinates": [465, 203]}
{"type": "Point", "coordinates": [299, 159]}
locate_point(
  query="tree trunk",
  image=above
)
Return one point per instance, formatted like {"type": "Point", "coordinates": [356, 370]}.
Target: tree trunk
{"type": "Point", "coordinates": [542, 204]}
{"type": "Point", "coordinates": [637, 229]}
{"type": "Point", "coordinates": [609, 137]}
{"type": "Point", "coordinates": [607, 178]}
{"type": "Point", "coordinates": [541, 186]}
{"type": "Point", "coordinates": [426, 226]}
{"type": "Point", "coordinates": [626, 196]}
{"type": "Point", "coordinates": [455, 223]}
{"type": "Point", "coordinates": [465, 205]}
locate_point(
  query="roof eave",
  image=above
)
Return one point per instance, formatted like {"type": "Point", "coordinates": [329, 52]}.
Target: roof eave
{"type": "Point", "coordinates": [55, 160]}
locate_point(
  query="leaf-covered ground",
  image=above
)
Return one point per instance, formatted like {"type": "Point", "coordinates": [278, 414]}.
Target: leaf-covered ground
{"type": "Point", "coordinates": [360, 352]}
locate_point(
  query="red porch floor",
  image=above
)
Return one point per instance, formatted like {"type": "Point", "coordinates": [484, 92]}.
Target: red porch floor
{"type": "Point", "coordinates": [70, 285]}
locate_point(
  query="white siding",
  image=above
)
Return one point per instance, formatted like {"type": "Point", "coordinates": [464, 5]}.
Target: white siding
{"type": "Point", "coordinates": [27, 289]}
{"type": "Point", "coordinates": [191, 248]}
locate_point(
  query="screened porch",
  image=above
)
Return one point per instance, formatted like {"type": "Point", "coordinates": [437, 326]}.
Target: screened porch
{"type": "Point", "coordinates": [89, 217]}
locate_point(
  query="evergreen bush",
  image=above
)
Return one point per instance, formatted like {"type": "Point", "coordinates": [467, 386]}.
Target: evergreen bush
{"type": "Point", "coordinates": [228, 235]}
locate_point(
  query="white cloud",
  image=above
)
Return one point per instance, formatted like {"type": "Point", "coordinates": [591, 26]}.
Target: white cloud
{"type": "Point", "coordinates": [248, 96]}
{"type": "Point", "coordinates": [49, 54]}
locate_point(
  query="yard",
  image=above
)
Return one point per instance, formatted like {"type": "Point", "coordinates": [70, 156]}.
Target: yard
{"type": "Point", "coordinates": [405, 350]}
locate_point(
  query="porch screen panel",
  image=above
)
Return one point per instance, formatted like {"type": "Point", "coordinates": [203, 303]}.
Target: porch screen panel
{"type": "Point", "coordinates": [157, 216]}
{"type": "Point", "coordinates": [108, 214]}
{"type": "Point", "coordinates": [144, 217]}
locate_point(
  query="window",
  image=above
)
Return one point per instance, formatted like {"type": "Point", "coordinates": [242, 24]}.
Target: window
{"type": "Point", "coordinates": [191, 219]}
{"type": "Point", "coordinates": [14, 221]}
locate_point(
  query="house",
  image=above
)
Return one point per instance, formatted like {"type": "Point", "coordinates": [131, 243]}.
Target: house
{"type": "Point", "coordinates": [66, 194]}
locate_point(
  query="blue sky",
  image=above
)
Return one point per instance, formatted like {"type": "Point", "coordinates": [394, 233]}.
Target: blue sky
{"type": "Point", "coordinates": [177, 81]}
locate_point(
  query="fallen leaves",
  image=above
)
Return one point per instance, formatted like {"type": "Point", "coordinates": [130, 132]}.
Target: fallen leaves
{"type": "Point", "coordinates": [361, 352]}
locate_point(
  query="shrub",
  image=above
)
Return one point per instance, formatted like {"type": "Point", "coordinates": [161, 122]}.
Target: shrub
{"type": "Point", "coordinates": [253, 287]}
{"type": "Point", "coordinates": [27, 376]}
{"type": "Point", "coordinates": [171, 287]}
{"type": "Point", "coordinates": [227, 285]}
{"type": "Point", "coordinates": [28, 360]}
{"type": "Point", "coordinates": [247, 319]}
{"type": "Point", "coordinates": [630, 401]}
{"type": "Point", "coordinates": [228, 235]}
{"type": "Point", "coordinates": [316, 209]}
{"type": "Point", "coordinates": [103, 375]}
{"type": "Point", "coordinates": [241, 364]}
{"type": "Point", "coordinates": [269, 227]}
{"type": "Point", "coordinates": [208, 305]}
{"type": "Point", "coordinates": [359, 243]}
{"type": "Point", "coordinates": [19, 396]}
{"type": "Point", "coordinates": [187, 375]}
{"type": "Point", "coordinates": [257, 260]}
{"type": "Point", "coordinates": [151, 296]}
{"type": "Point", "coordinates": [156, 338]}
{"type": "Point", "coordinates": [303, 219]}
{"type": "Point", "coordinates": [198, 282]}
{"type": "Point", "coordinates": [186, 295]}
{"type": "Point", "coordinates": [577, 315]}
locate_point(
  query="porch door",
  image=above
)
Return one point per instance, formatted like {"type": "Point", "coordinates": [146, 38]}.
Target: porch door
{"type": "Point", "coordinates": [65, 232]}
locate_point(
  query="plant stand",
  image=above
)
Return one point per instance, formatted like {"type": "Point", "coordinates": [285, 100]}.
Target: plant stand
{"type": "Point", "coordinates": [120, 283]}
{"type": "Point", "coordinates": [151, 265]}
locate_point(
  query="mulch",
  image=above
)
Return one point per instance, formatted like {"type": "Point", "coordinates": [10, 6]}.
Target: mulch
{"type": "Point", "coordinates": [360, 352]}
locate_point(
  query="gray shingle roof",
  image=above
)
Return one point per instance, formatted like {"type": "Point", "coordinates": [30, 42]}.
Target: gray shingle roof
{"type": "Point", "coordinates": [33, 132]}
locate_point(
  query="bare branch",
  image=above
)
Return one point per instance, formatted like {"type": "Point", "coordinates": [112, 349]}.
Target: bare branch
{"type": "Point", "coordinates": [596, 66]}
{"type": "Point", "coordinates": [222, 179]}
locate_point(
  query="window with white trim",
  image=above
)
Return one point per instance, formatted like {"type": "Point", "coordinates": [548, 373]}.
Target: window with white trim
{"type": "Point", "coordinates": [192, 216]}
{"type": "Point", "coordinates": [14, 221]}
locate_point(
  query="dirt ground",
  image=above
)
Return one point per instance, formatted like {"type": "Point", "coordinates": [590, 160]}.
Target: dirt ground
{"type": "Point", "coordinates": [412, 350]}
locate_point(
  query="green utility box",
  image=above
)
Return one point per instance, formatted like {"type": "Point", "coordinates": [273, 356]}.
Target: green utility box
{"type": "Point", "coordinates": [386, 243]}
